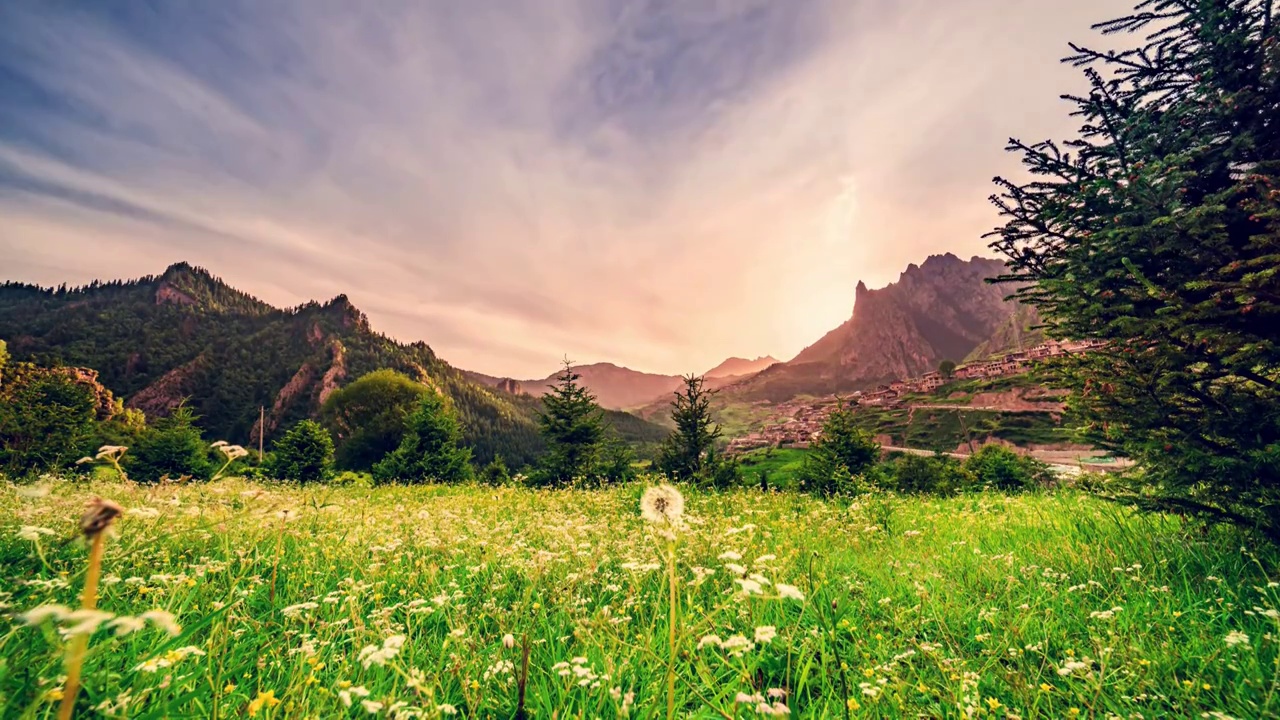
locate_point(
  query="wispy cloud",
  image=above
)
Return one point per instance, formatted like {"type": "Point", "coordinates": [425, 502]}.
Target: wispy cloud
{"type": "Point", "coordinates": [659, 183]}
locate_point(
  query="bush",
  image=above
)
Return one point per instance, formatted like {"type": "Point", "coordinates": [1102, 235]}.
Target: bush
{"type": "Point", "coordinates": [617, 460]}
{"type": "Point", "coordinates": [1003, 469]}
{"type": "Point", "coordinates": [46, 420]}
{"type": "Point", "coordinates": [431, 447]}
{"type": "Point", "coordinates": [367, 417]}
{"type": "Point", "coordinates": [938, 475]}
{"type": "Point", "coordinates": [305, 453]}
{"type": "Point", "coordinates": [723, 473]}
{"type": "Point", "coordinates": [495, 474]}
{"type": "Point", "coordinates": [172, 448]}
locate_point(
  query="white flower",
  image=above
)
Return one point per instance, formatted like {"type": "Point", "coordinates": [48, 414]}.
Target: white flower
{"type": "Point", "coordinates": [373, 655]}
{"type": "Point", "coordinates": [748, 699]}
{"type": "Point", "coordinates": [789, 591]}
{"type": "Point", "coordinates": [1235, 637]}
{"type": "Point", "coordinates": [37, 615]}
{"type": "Point", "coordinates": [1071, 667]}
{"type": "Point", "coordinates": [32, 533]}
{"type": "Point", "coordinates": [662, 504]}
{"type": "Point", "coordinates": [729, 555]}
{"type": "Point", "coordinates": [749, 587]}
{"type": "Point", "coordinates": [446, 709]}
{"type": "Point", "coordinates": [710, 640]}
{"type": "Point", "coordinates": [86, 621]}
{"type": "Point", "coordinates": [766, 633]}
{"type": "Point", "coordinates": [295, 610]}
{"type": "Point", "coordinates": [163, 620]}
{"type": "Point", "coordinates": [371, 706]}
{"type": "Point", "coordinates": [125, 624]}
{"type": "Point", "coordinates": [737, 644]}
{"type": "Point", "coordinates": [735, 569]}
{"type": "Point", "coordinates": [508, 641]}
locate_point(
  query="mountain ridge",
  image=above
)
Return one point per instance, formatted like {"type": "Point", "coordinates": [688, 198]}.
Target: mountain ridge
{"type": "Point", "coordinates": [187, 336]}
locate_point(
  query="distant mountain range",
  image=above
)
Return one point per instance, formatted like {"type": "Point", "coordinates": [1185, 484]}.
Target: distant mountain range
{"type": "Point", "coordinates": [186, 335]}
{"type": "Point", "coordinates": [621, 388]}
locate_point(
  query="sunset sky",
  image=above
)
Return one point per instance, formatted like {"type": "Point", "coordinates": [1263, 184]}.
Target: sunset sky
{"type": "Point", "coordinates": [656, 184]}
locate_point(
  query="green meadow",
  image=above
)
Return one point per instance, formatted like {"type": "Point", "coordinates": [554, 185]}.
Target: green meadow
{"type": "Point", "coordinates": [232, 599]}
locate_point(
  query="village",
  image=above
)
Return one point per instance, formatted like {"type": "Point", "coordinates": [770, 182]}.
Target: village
{"type": "Point", "coordinates": [797, 423]}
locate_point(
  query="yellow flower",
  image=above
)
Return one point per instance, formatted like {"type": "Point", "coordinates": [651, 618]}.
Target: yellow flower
{"type": "Point", "coordinates": [923, 688]}
{"type": "Point", "coordinates": [1073, 712]}
{"type": "Point", "coordinates": [267, 699]}
{"type": "Point", "coordinates": [53, 694]}
{"type": "Point", "coordinates": [1206, 686]}
{"type": "Point", "coordinates": [869, 673]}
{"type": "Point", "coordinates": [1187, 683]}
{"type": "Point", "coordinates": [853, 704]}
{"type": "Point", "coordinates": [1046, 687]}
{"type": "Point", "coordinates": [993, 703]}
{"type": "Point", "coordinates": [230, 688]}
{"type": "Point", "coordinates": [1144, 662]}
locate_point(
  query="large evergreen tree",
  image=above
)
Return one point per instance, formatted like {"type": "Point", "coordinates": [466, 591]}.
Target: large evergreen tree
{"type": "Point", "coordinates": [46, 419]}
{"type": "Point", "coordinates": [573, 426]}
{"type": "Point", "coordinates": [1157, 230]}
{"type": "Point", "coordinates": [685, 454]}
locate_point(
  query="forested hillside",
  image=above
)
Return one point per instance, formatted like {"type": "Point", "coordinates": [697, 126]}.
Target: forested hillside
{"type": "Point", "coordinates": [186, 335]}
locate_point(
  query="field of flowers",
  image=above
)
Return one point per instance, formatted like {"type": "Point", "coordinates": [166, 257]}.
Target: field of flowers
{"type": "Point", "coordinates": [232, 599]}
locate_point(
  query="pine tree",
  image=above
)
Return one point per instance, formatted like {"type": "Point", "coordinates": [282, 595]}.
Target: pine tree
{"type": "Point", "coordinates": [304, 453]}
{"type": "Point", "coordinates": [573, 426]}
{"type": "Point", "coordinates": [684, 455]}
{"type": "Point", "coordinates": [1157, 231]}
{"type": "Point", "coordinates": [843, 450]}
{"type": "Point", "coordinates": [431, 449]}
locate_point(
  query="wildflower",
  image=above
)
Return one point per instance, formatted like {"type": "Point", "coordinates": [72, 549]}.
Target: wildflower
{"type": "Point", "coordinates": [1235, 638]}
{"type": "Point", "coordinates": [446, 709]}
{"type": "Point", "coordinates": [729, 555]}
{"type": "Point", "coordinates": [662, 504]}
{"type": "Point", "coordinates": [296, 610]}
{"type": "Point", "coordinates": [710, 640]}
{"type": "Point", "coordinates": [789, 591]}
{"type": "Point", "coordinates": [371, 706]}
{"type": "Point", "coordinates": [749, 587]}
{"type": "Point", "coordinates": [37, 615]}
{"type": "Point", "coordinates": [374, 655]}
{"type": "Point", "coordinates": [358, 691]}
{"type": "Point", "coordinates": [86, 621]}
{"type": "Point", "coordinates": [32, 533]}
{"type": "Point", "coordinates": [508, 641]}
{"type": "Point", "coordinates": [766, 633]}
{"type": "Point", "coordinates": [1070, 667]}
{"type": "Point", "coordinates": [162, 619]}
{"type": "Point", "coordinates": [266, 699]}
{"type": "Point", "coordinates": [737, 644]}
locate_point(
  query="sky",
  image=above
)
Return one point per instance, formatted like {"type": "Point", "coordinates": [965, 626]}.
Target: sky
{"type": "Point", "coordinates": [655, 183]}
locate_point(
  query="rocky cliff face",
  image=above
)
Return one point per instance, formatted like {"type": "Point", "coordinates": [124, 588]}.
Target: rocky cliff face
{"type": "Point", "coordinates": [941, 309]}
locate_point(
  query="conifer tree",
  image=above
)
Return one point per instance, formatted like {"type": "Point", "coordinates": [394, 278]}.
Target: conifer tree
{"type": "Point", "coordinates": [1157, 231]}
{"type": "Point", "coordinates": [573, 426]}
{"type": "Point", "coordinates": [844, 450]}
{"type": "Point", "coordinates": [685, 452]}
{"type": "Point", "coordinates": [431, 449]}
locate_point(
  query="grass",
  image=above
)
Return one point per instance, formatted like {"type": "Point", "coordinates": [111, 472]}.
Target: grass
{"type": "Point", "coordinates": [291, 599]}
{"type": "Point", "coordinates": [780, 464]}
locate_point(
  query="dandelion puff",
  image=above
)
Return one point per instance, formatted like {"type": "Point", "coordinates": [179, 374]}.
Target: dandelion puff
{"type": "Point", "coordinates": [662, 504]}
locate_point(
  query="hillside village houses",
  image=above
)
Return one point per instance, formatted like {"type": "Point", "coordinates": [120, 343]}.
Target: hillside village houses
{"type": "Point", "coordinates": [801, 421]}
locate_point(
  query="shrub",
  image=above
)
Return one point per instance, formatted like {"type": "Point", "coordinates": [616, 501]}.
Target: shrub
{"type": "Point", "coordinates": [495, 474]}
{"type": "Point", "coordinates": [939, 475]}
{"type": "Point", "coordinates": [305, 453]}
{"type": "Point", "coordinates": [367, 417]}
{"type": "Point", "coordinates": [617, 460]}
{"type": "Point", "coordinates": [430, 449]}
{"type": "Point", "coordinates": [1003, 469]}
{"type": "Point", "coordinates": [46, 419]}
{"type": "Point", "coordinates": [173, 448]}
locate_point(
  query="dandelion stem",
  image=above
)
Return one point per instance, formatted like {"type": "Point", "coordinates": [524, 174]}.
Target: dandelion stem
{"type": "Point", "coordinates": [80, 643]}
{"type": "Point", "coordinates": [671, 621]}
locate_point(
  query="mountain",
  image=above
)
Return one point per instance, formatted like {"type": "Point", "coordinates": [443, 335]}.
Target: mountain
{"type": "Point", "coordinates": [736, 367]}
{"type": "Point", "coordinates": [941, 309]}
{"type": "Point", "coordinates": [1019, 332]}
{"type": "Point", "coordinates": [187, 336]}
{"type": "Point", "coordinates": [621, 388]}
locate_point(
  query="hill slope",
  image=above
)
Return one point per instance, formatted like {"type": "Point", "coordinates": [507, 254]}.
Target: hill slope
{"type": "Point", "coordinates": [186, 334]}
{"type": "Point", "coordinates": [739, 367]}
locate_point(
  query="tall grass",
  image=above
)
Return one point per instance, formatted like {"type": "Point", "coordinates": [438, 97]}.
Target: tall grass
{"type": "Point", "coordinates": [394, 602]}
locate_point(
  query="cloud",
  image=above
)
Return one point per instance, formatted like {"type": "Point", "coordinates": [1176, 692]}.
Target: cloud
{"type": "Point", "coordinates": [655, 183]}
